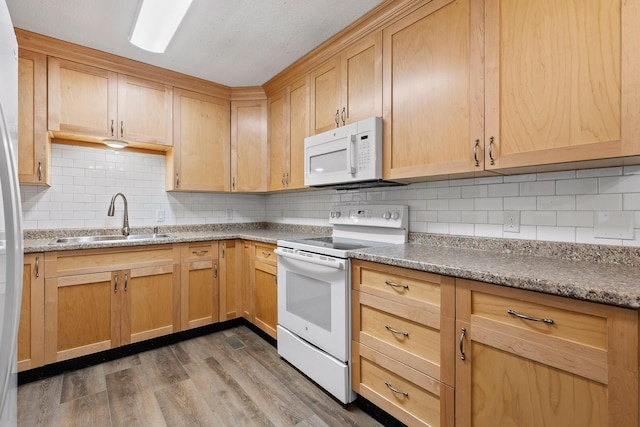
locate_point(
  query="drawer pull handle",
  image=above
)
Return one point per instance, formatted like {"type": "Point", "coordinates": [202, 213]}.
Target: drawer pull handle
{"type": "Point", "coordinates": [395, 331]}
{"type": "Point", "coordinates": [37, 266]}
{"type": "Point", "coordinates": [126, 281]}
{"type": "Point", "coordinates": [267, 254]}
{"type": "Point", "coordinates": [200, 252]}
{"type": "Point", "coordinates": [395, 390]}
{"type": "Point", "coordinates": [395, 285]}
{"type": "Point", "coordinates": [533, 319]}
{"type": "Point", "coordinates": [463, 332]}
{"type": "Point", "coordinates": [115, 284]}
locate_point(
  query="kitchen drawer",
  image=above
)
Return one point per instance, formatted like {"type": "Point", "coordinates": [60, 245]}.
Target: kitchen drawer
{"type": "Point", "coordinates": [536, 317]}
{"type": "Point", "coordinates": [86, 261]}
{"type": "Point", "coordinates": [199, 251]}
{"type": "Point", "coordinates": [427, 401]}
{"type": "Point", "coordinates": [407, 334]}
{"type": "Point", "coordinates": [264, 253]}
{"type": "Point", "coordinates": [412, 287]}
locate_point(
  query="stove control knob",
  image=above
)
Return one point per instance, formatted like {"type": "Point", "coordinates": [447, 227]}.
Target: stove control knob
{"type": "Point", "coordinates": [395, 216]}
{"type": "Point", "coordinates": [386, 215]}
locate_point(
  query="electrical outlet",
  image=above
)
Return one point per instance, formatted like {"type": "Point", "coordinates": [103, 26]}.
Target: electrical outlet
{"type": "Point", "coordinates": [160, 215]}
{"type": "Point", "coordinates": [511, 222]}
{"type": "Point", "coordinates": [229, 213]}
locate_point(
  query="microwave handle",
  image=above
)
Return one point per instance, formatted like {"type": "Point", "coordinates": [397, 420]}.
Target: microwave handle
{"type": "Point", "coordinates": [351, 151]}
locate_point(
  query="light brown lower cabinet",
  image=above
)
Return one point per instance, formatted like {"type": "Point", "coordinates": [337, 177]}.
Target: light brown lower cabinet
{"type": "Point", "coordinates": [260, 288]}
{"type": "Point", "coordinates": [98, 299]}
{"type": "Point", "coordinates": [31, 329]}
{"type": "Point", "coordinates": [402, 352]}
{"type": "Point", "coordinates": [567, 363]}
{"type": "Point", "coordinates": [199, 305]}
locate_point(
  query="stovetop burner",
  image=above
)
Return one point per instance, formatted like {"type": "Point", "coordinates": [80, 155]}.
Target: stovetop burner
{"type": "Point", "coordinates": [338, 243]}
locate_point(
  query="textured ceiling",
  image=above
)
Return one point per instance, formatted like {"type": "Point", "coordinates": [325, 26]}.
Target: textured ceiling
{"type": "Point", "coordinates": [231, 42]}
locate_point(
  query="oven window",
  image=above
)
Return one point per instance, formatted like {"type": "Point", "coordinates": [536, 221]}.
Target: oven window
{"type": "Point", "coordinates": [334, 161]}
{"type": "Point", "coordinates": [309, 299]}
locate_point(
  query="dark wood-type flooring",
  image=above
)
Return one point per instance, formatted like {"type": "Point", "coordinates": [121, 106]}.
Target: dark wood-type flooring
{"type": "Point", "coordinates": [228, 378]}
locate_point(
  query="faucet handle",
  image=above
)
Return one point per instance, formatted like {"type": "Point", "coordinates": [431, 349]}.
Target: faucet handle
{"type": "Point", "coordinates": [155, 230]}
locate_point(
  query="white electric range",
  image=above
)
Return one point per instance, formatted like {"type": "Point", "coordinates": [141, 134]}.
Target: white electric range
{"type": "Point", "coordinates": [314, 291]}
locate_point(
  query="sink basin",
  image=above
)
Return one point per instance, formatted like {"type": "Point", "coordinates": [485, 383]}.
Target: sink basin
{"type": "Point", "coordinates": [114, 238]}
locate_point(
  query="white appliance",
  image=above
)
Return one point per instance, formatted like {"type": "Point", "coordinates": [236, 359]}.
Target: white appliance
{"type": "Point", "coordinates": [11, 246]}
{"type": "Point", "coordinates": [314, 292]}
{"type": "Point", "coordinates": [345, 155]}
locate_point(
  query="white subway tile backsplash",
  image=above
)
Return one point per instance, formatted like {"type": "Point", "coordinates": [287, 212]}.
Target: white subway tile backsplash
{"type": "Point", "coordinates": [555, 206]}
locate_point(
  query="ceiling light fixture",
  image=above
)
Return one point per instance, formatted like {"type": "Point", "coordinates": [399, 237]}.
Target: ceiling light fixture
{"type": "Point", "coordinates": [115, 143]}
{"type": "Point", "coordinates": [156, 22]}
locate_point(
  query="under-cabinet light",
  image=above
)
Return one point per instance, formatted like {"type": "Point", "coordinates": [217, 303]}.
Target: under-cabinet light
{"type": "Point", "coordinates": [115, 143]}
{"type": "Point", "coordinates": [156, 23]}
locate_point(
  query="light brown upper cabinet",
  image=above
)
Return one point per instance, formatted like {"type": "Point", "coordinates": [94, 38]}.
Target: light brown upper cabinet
{"type": "Point", "coordinates": [199, 159]}
{"type": "Point", "coordinates": [433, 93]}
{"type": "Point", "coordinates": [561, 81]}
{"type": "Point", "coordinates": [90, 102]}
{"type": "Point", "coordinates": [348, 87]}
{"type": "Point", "coordinates": [288, 126]}
{"type": "Point", "coordinates": [33, 140]}
{"type": "Point", "coordinates": [249, 146]}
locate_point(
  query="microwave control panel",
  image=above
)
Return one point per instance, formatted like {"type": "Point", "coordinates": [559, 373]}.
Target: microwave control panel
{"type": "Point", "coordinates": [364, 151]}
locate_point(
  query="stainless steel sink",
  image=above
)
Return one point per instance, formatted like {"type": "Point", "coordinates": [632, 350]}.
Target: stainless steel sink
{"type": "Point", "coordinates": [113, 238]}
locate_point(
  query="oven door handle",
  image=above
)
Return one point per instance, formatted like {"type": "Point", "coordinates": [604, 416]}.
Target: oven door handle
{"type": "Point", "coordinates": [338, 264]}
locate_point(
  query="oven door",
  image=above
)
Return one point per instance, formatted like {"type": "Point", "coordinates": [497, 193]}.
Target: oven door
{"type": "Point", "coordinates": [313, 300]}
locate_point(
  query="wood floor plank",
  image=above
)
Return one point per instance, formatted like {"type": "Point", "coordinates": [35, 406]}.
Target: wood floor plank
{"type": "Point", "coordinates": [121, 364]}
{"type": "Point", "coordinates": [161, 368]}
{"type": "Point", "coordinates": [92, 410]}
{"type": "Point", "coordinates": [130, 402]}
{"type": "Point", "coordinates": [182, 405]}
{"type": "Point", "coordinates": [39, 402]}
{"type": "Point", "coordinates": [82, 382]}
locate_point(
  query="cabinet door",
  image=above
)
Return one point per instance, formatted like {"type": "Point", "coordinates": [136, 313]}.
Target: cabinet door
{"type": "Point", "coordinates": [298, 131]}
{"type": "Point", "coordinates": [249, 146]}
{"type": "Point", "coordinates": [325, 97]}
{"type": "Point", "coordinates": [31, 329]}
{"type": "Point", "coordinates": [151, 302]}
{"type": "Point", "coordinates": [231, 278]}
{"type": "Point", "coordinates": [577, 364]}
{"type": "Point", "coordinates": [265, 297]}
{"type": "Point", "coordinates": [199, 160]}
{"type": "Point", "coordinates": [199, 285]}
{"type": "Point", "coordinates": [82, 315]}
{"type": "Point", "coordinates": [247, 283]}
{"type": "Point", "coordinates": [82, 99]}
{"type": "Point", "coordinates": [278, 140]}
{"type": "Point", "coordinates": [33, 141]}
{"type": "Point", "coordinates": [145, 111]}
{"type": "Point", "coordinates": [361, 92]}
{"type": "Point", "coordinates": [433, 98]}
{"type": "Point", "coordinates": [560, 81]}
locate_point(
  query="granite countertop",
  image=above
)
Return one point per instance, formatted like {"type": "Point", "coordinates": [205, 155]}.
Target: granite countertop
{"type": "Point", "coordinates": [591, 281]}
{"type": "Point", "coordinates": [583, 272]}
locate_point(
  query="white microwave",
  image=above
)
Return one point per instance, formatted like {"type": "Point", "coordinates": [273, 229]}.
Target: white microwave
{"type": "Point", "coordinates": [349, 154]}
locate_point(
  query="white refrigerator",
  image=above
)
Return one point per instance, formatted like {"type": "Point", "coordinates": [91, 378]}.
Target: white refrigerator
{"type": "Point", "coordinates": [11, 245]}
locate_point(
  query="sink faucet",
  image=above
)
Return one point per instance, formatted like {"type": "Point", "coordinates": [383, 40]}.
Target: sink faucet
{"type": "Point", "coordinates": [112, 208]}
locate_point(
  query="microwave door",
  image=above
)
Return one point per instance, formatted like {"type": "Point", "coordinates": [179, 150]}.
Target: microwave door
{"type": "Point", "coordinates": [331, 162]}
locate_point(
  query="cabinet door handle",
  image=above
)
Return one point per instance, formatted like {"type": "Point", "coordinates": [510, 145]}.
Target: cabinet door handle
{"type": "Point", "coordinates": [395, 390]}
{"type": "Point", "coordinates": [463, 332]}
{"type": "Point", "coordinates": [126, 281]}
{"type": "Point", "coordinates": [177, 180]}
{"type": "Point", "coordinates": [215, 270]}
{"type": "Point", "coordinates": [39, 171]}
{"type": "Point", "coordinates": [223, 250]}
{"type": "Point", "coordinates": [475, 152]}
{"type": "Point", "coordinates": [37, 266]}
{"type": "Point", "coordinates": [115, 284]}
{"type": "Point", "coordinates": [286, 179]}
{"type": "Point", "coordinates": [283, 184]}
{"type": "Point", "coordinates": [343, 115]}
{"type": "Point", "coordinates": [395, 285]}
{"type": "Point", "coordinates": [492, 161]}
{"type": "Point", "coordinates": [337, 118]}
{"type": "Point", "coordinates": [395, 331]}
{"type": "Point", "coordinates": [533, 319]}
{"type": "Point", "coordinates": [233, 183]}
{"type": "Point", "coordinates": [200, 252]}
{"type": "Point", "coordinates": [112, 128]}
{"type": "Point", "coordinates": [121, 128]}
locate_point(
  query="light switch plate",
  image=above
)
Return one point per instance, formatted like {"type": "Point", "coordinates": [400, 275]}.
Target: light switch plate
{"type": "Point", "coordinates": [613, 224]}
{"type": "Point", "coordinates": [160, 215]}
{"type": "Point", "coordinates": [511, 222]}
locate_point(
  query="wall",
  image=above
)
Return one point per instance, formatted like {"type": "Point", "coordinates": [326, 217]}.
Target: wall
{"type": "Point", "coordinates": [83, 180]}
{"type": "Point", "coordinates": [556, 206]}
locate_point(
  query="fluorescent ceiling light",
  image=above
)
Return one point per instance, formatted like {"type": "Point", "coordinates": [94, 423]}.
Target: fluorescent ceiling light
{"type": "Point", "coordinates": [156, 23]}
{"type": "Point", "coordinates": [115, 143]}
